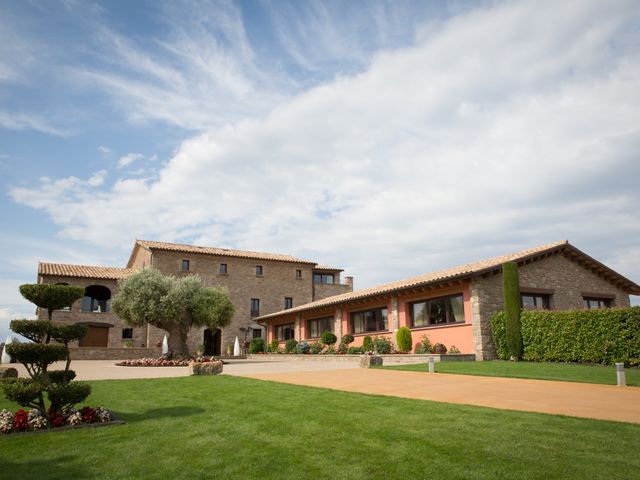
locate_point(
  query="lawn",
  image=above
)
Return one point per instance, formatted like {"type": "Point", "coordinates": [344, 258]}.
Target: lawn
{"type": "Point", "coordinates": [542, 371]}
{"type": "Point", "coordinates": [236, 428]}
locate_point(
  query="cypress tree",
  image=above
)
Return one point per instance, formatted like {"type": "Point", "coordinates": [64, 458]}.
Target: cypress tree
{"type": "Point", "coordinates": [511, 293]}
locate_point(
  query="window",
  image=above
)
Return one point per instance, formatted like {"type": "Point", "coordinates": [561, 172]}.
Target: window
{"type": "Point", "coordinates": [317, 326]}
{"type": "Point", "coordinates": [285, 332]}
{"type": "Point", "coordinates": [369, 321]}
{"type": "Point", "coordinates": [437, 311]}
{"type": "Point", "coordinates": [96, 299]}
{"type": "Point", "coordinates": [185, 265]}
{"type": "Point", "coordinates": [298, 273]}
{"type": "Point", "coordinates": [288, 302]}
{"type": "Point", "coordinates": [535, 301]}
{"type": "Point", "coordinates": [127, 333]}
{"type": "Point", "coordinates": [257, 333]}
{"type": "Point", "coordinates": [259, 270]}
{"type": "Point", "coordinates": [223, 269]}
{"type": "Point", "coordinates": [593, 302]}
{"type": "Point", "coordinates": [255, 307]}
{"type": "Point", "coordinates": [323, 278]}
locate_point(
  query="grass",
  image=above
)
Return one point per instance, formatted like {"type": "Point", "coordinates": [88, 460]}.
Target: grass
{"type": "Point", "coordinates": [230, 427]}
{"type": "Point", "coordinates": [541, 371]}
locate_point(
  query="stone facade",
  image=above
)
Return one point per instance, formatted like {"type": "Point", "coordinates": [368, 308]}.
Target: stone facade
{"type": "Point", "coordinates": [562, 279]}
{"type": "Point", "coordinates": [279, 280]}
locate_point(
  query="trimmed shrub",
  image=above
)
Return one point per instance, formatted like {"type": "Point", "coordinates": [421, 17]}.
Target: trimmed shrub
{"type": "Point", "coordinates": [34, 330]}
{"type": "Point", "coordinates": [38, 355]}
{"type": "Point", "coordinates": [315, 347]}
{"type": "Point", "coordinates": [274, 346]}
{"type": "Point", "coordinates": [61, 376]}
{"type": "Point", "coordinates": [367, 344]}
{"type": "Point", "coordinates": [329, 338]}
{"type": "Point", "coordinates": [603, 336]}
{"type": "Point", "coordinates": [454, 350]}
{"type": "Point", "coordinates": [439, 348]}
{"type": "Point", "coordinates": [404, 340]}
{"type": "Point", "coordinates": [303, 347]}
{"type": "Point", "coordinates": [68, 395]}
{"type": "Point", "coordinates": [424, 346]}
{"type": "Point", "coordinates": [290, 346]}
{"type": "Point", "coordinates": [511, 293]}
{"type": "Point", "coordinates": [24, 391]}
{"type": "Point", "coordinates": [256, 345]}
{"type": "Point", "coordinates": [355, 350]}
{"type": "Point", "coordinates": [347, 339]}
{"type": "Point", "coordinates": [382, 345]}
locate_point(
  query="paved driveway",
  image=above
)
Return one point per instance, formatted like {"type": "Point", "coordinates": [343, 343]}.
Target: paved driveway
{"type": "Point", "coordinates": [604, 402]}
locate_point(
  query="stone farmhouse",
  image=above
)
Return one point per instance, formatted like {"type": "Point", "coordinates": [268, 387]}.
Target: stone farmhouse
{"type": "Point", "coordinates": [258, 284]}
{"type": "Point", "coordinates": [454, 306]}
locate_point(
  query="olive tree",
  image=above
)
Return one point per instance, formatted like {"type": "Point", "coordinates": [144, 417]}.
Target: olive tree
{"type": "Point", "coordinates": [172, 304]}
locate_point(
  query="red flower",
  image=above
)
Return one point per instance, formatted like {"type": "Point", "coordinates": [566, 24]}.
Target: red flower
{"type": "Point", "coordinates": [56, 418]}
{"type": "Point", "coordinates": [21, 420]}
{"type": "Point", "coordinates": [88, 415]}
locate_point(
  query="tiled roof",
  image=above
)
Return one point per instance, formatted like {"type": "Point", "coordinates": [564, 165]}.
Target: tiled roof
{"type": "Point", "coordinates": [226, 252]}
{"type": "Point", "coordinates": [456, 273]}
{"type": "Point", "coordinates": [83, 271]}
{"type": "Point", "coordinates": [326, 268]}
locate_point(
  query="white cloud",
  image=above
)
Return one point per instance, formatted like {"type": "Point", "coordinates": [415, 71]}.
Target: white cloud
{"type": "Point", "coordinates": [29, 121]}
{"type": "Point", "coordinates": [104, 151]}
{"type": "Point", "coordinates": [506, 127]}
{"type": "Point", "coordinates": [128, 159]}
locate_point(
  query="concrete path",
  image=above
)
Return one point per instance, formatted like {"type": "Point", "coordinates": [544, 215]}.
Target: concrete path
{"type": "Point", "coordinates": [603, 402]}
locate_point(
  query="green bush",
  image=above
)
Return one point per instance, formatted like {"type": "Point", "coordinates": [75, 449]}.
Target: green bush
{"type": "Point", "coordinates": [290, 346]}
{"type": "Point", "coordinates": [439, 348]}
{"type": "Point", "coordinates": [424, 346]}
{"type": "Point", "coordinates": [68, 333]}
{"type": "Point", "coordinates": [39, 355]}
{"type": "Point", "coordinates": [68, 395]}
{"type": "Point", "coordinates": [61, 376]}
{"type": "Point", "coordinates": [367, 344]}
{"type": "Point", "coordinates": [403, 337]}
{"type": "Point", "coordinates": [329, 338]}
{"type": "Point", "coordinates": [603, 336]}
{"type": "Point", "coordinates": [347, 339]}
{"type": "Point", "coordinates": [355, 350]}
{"type": "Point", "coordinates": [511, 293]}
{"type": "Point", "coordinates": [24, 391]}
{"type": "Point", "coordinates": [274, 346]}
{"type": "Point", "coordinates": [34, 330]}
{"type": "Point", "coordinates": [382, 345]}
{"type": "Point", "coordinates": [257, 345]}
{"type": "Point", "coordinates": [454, 350]}
{"type": "Point", "coordinates": [51, 297]}
{"type": "Point", "coordinates": [315, 347]}
{"type": "Point", "coordinates": [303, 347]}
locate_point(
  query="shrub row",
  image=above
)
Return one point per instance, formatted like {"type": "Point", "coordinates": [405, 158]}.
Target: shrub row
{"type": "Point", "coordinates": [603, 336]}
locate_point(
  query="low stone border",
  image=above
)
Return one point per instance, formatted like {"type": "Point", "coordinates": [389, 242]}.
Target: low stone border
{"type": "Point", "coordinates": [388, 359]}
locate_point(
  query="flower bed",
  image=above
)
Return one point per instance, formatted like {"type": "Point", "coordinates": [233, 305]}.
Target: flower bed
{"type": "Point", "coordinates": [33, 420]}
{"type": "Point", "coordinates": [163, 362]}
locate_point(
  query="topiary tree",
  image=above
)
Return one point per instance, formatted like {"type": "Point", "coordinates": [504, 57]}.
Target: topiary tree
{"type": "Point", "coordinates": [328, 338]}
{"type": "Point", "coordinates": [174, 305]}
{"type": "Point", "coordinates": [403, 337]}
{"type": "Point", "coordinates": [346, 339]}
{"type": "Point", "coordinates": [39, 355]}
{"type": "Point", "coordinates": [512, 307]}
{"type": "Point", "coordinates": [367, 344]}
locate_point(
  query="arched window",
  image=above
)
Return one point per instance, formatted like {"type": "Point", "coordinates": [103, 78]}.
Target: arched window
{"type": "Point", "coordinates": [96, 299]}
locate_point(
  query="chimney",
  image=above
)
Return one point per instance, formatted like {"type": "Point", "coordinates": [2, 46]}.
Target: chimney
{"type": "Point", "coordinates": [349, 281]}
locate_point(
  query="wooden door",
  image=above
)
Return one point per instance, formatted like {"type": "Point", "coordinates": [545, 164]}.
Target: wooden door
{"type": "Point", "coordinates": [95, 337]}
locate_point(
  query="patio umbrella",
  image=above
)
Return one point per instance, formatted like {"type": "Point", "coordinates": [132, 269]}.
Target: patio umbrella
{"type": "Point", "coordinates": [236, 348]}
{"type": "Point", "coordinates": [165, 345]}
{"type": "Point", "coordinates": [5, 356]}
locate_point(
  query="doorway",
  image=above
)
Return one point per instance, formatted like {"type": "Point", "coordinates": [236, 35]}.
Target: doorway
{"type": "Point", "coordinates": [212, 342]}
{"type": "Point", "coordinates": [96, 337]}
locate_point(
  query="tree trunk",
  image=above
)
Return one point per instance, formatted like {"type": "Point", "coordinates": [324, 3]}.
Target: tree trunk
{"type": "Point", "coordinates": [178, 343]}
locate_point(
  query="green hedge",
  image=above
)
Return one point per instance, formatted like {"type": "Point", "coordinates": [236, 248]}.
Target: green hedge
{"type": "Point", "coordinates": [604, 336]}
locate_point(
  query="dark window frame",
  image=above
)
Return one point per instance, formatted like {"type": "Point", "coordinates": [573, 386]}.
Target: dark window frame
{"type": "Point", "coordinates": [543, 298]}
{"type": "Point", "coordinates": [322, 278]}
{"type": "Point", "coordinates": [448, 311]}
{"type": "Point", "coordinates": [127, 333]}
{"type": "Point", "coordinates": [602, 302]}
{"type": "Point", "coordinates": [185, 263]}
{"type": "Point", "coordinates": [223, 269]}
{"type": "Point", "coordinates": [298, 273]}
{"type": "Point", "coordinates": [321, 327]}
{"type": "Point", "coordinates": [255, 307]}
{"type": "Point", "coordinates": [288, 303]}
{"type": "Point", "coordinates": [259, 271]}
{"type": "Point", "coordinates": [281, 332]}
{"type": "Point", "coordinates": [378, 318]}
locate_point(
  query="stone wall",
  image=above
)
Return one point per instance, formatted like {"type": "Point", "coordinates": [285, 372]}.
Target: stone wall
{"type": "Point", "coordinates": [324, 290]}
{"type": "Point", "coordinates": [113, 353]}
{"type": "Point", "coordinates": [566, 279]}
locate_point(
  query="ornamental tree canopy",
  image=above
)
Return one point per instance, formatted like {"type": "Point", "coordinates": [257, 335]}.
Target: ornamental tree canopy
{"type": "Point", "coordinates": [173, 304]}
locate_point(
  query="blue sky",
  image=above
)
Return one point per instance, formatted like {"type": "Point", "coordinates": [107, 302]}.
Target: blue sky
{"type": "Point", "coordinates": [388, 138]}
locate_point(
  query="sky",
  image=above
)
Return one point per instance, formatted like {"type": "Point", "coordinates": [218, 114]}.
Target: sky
{"type": "Point", "coordinates": [389, 138]}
